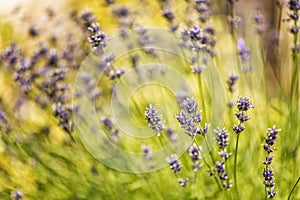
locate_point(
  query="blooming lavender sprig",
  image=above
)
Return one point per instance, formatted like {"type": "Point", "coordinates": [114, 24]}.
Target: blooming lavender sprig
{"type": "Point", "coordinates": [113, 131]}
{"type": "Point", "coordinates": [17, 195]}
{"type": "Point", "coordinates": [147, 152]}
{"type": "Point", "coordinates": [245, 55]}
{"type": "Point", "coordinates": [222, 139]}
{"type": "Point", "coordinates": [194, 154]}
{"type": "Point", "coordinates": [243, 105]}
{"type": "Point", "coordinates": [169, 15]}
{"type": "Point", "coordinates": [174, 163]}
{"type": "Point", "coordinates": [190, 118]}
{"type": "Point", "coordinates": [97, 38]}
{"type": "Point", "coordinates": [203, 9]}
{"type": "Point", "coordinates": [232, 80]}
{"type": "Point", "coordinates": [259, 20]}
{"type": "Point", "coordinates": [182, 181]}
{"type": "Point", "coordinates": [155, 121]}
{"type": "Point", "coordinates": [199, 39]}
{"type": "Point", "coordinates": [267, 172]}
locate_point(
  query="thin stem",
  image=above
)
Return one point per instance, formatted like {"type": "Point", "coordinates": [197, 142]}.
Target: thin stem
{"type": "Point", "coordinates": [206, 163]}
{"type": "Point", "coordinates": [210, 153]}
{"type": "Point", "coordinates": [289, 197]}
{"type": "Point", "coordinates": [235, 162]}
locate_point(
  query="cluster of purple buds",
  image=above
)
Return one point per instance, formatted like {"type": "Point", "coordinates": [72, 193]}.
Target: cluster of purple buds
{"type": "Point", "coordinates": [87, 18]}
{"type": "Point", "coordinates": [222, 174]}
{"type": "Point", "coordinates": [11, 55]}
{"type": "Point", "coordinates": [147, 152]}
{"type": "Point", "coordinates": [232, 80]}
{"type": "Point", "coordinates": [190, 118]}
{"type": "Point", "coordinates": [203, 9]}
{"type": "Point", "coordinates": [146, 41]}
{"type": "Point", "coordinates": [17, 195]}
{"type": "Point", "coordinates": [4, 123]}
{"type": "Point", "coordinates": [194, 153]}
{"type": "Point", "coordinates": [109, 126]}
{"type": "Point", "coordinates": [63, 112]}
{"type": "Point", "coordinates": [174, 163]}
{"type": "Point", "coordinates": [182, 181]}
{"type": "Point", "coordinates": [121, 12]}
{"type": "Point", "coordinates": [169, 15]}
{"type": "Point", "coordinates": [245, 55]}
{"type": "Point", "coordinates": [222, 139]}
{"type": "Point", "coordinates": [268, 173]}
{"type": "Point", "coordinates": [243, 105]}
{"type": "Point", "coordinates": [269, 182]}
{"type": "Point", "coordinates": [155, 121]}
{"type": "Point", "coordinates": [259, 20]}
{"type": "Point", "coordinates": [294, 7]}
{"type": "Point", "coordinates": [97, 37]}
{"type": "Point", "coordinates": [199, 39]}
{"type": "Point", "coordinates": [171, 134]}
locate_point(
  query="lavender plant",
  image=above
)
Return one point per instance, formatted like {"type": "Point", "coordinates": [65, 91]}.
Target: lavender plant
{"type": "Point", "coordinates": [190, 118]}
{"type": "Point", "coordinates": [40, 61]}
{"type": "Point", "coordinates": [155, 121]}
{"type": "Point", "coordinates": [222, 139]}
{"type": "Point", "coordinates": [268, 172]}
{"type": "Point", "coordinates": [243, 104]}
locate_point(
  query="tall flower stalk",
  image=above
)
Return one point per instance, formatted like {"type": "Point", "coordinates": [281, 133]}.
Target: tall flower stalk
{"type": "Point", "coordinates": [243, 105]}
{"type": "Point", "coordinates": [268, 172]}
{"type": "Point", "coordinates": [189, 119]}
{"type": "Point", "coordinates": [155, 121]}
{"type": "Point", "coordinates": [222, 139]}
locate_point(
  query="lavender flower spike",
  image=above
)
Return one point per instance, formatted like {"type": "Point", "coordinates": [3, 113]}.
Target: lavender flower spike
{"type": "Point", "coordinates": [268, 173]}
{"type": "Point", "coordinates": [174, 163]}
{"type": "Point", "coordinates": [190, 117]}
{"type": "Point", "coordinates": [154, 119]}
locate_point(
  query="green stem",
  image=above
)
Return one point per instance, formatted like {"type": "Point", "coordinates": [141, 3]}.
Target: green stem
{"type": "Point", "coordinates": [210, 153]}
{"type": "Point", "coordinates": [289, 197]}
{"type": "Point", "coordinates": [235, 162]}
{"type": "Point", "coordinates": [206, 163]}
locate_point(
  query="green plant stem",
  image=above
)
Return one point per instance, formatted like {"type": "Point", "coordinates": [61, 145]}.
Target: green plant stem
{"type": "Point", "coordinates": [294, 101]}
{"type": "Point", "coordinates": [210, 153]}
{"type": "Point", "coordinates": [289, 197]}
{"type": "Point", "coordinates": [206, 163]}
{"type": "Point", "coordinates": [235, 162]}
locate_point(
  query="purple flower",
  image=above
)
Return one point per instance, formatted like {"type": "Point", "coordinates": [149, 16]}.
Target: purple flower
{"type": "Point", "coordinates": [232, 81]}
{"type": "Point", "coordinates": [147, 152]}
{"type": "Point", "coordinates": [97, 37]}
{"type": "Point", "coordinates": [168, 14]}
{"type": "Point", "coordinates": [154, 119]}
{"type": "Point", "coordinates": [222, 137]}
{"type": "Point", "coordinates": [244, 104]}
{"type": "Point", "coordinates": [174, 163]}
{"type": "Point", "coordinates": [243, 50]}
{"type": "Point", "coordinates": [17, 195]}
{"type": "Point", "coordinates": [182, 182]}
{"type": "Point", "coordinates": [190, 117]}
{"type": "Point", "coordinates": [268, 173]}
